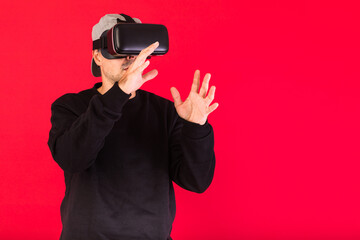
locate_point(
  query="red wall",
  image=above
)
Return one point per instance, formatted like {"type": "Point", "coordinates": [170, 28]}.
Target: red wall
{"type": "Point", "coordinates": [287, 128]}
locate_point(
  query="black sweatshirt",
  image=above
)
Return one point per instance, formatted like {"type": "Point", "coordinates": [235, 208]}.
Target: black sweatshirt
{"type": "Point", "coordinates": [119, 157]}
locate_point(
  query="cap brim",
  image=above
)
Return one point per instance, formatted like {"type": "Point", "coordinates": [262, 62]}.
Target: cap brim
{"type": "Point", "coordinates": [95, 69]}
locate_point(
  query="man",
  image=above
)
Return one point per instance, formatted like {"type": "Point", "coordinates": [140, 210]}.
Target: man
{"type": "Point", "coordinates": [121, 148]}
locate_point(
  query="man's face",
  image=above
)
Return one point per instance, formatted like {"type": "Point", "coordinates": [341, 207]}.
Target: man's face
{"type": "Point", "coordinates": [114, 69]}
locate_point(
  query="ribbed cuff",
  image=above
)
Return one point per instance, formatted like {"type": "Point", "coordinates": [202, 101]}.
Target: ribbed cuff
{"type": "Point", "coordinates": [194, 130]}
{"type": "Point", "coordinates": [115, 98]}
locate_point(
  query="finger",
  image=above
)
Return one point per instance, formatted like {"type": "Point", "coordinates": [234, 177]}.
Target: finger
{"type": "Point", "coordinates": [212, 108]}
{"type": "Point", "coordinates": [205, 85]}
{"type": "Point", "coordinates": [150, 75]}
{"type": "Point", "coordinates": [176, 96]}
{"type": "Point", "coordinates": [196, 82]}
{"type": "Point", "coordinates": [210, 97]}
{"type": "Point", "coordinates": [143, 66]}
{"type": "Point", "coordinates": [144, 54]}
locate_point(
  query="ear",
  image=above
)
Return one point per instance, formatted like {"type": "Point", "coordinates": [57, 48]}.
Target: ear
{"type": "Point", "coordinates": [97, 57]}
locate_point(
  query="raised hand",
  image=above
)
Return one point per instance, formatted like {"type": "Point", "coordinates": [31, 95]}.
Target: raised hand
{"type": "Point", "coordinates": [133, 78]}
{"type": "Point", "coordinates": [196, 107]}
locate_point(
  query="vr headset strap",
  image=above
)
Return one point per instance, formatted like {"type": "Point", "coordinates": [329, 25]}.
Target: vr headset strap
{"type": "Point", "coordinates": [102, 42]}
{"type": "Point", "coordinates": [127, 18]}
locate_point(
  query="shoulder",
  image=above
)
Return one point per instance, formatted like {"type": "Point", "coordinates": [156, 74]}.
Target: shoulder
{"type": "Point", "coordinates": [75, 101]}
{"type": "Point", "coordinates": [68, 97]}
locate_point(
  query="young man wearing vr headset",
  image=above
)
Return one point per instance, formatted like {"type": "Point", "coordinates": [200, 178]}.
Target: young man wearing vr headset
{"type": "Point", "coordinates": [121, 147]}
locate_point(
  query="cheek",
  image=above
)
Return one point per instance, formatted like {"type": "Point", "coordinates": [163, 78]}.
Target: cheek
{"type": "Point", "coordinates": [112, 67]}
{"type": "Point", "coordinates": [112, 70]}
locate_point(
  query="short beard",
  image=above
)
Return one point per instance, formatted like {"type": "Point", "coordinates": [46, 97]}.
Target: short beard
{"type": "Point", "coordinates": [112, 77]}
{"type": "Point", "coordinates": [117, 77]}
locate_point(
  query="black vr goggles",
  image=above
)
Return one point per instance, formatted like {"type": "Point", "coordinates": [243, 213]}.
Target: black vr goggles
{"type": "Point", "coordinates": [129, 38]}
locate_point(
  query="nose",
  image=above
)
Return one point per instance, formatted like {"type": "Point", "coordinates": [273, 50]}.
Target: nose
{"type": "Point", "coordinates": [130, 57]}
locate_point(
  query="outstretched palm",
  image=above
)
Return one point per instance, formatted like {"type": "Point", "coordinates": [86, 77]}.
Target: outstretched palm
{"type": "Point", "coordinates": [196, 107]}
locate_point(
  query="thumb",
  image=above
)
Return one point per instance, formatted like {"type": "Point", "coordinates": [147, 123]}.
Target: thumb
{"type": "Point", "coordinates": [176, 96]}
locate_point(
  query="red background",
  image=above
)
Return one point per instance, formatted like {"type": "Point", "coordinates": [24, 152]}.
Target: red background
{"type": "Point", "coordinates": [286, 131]}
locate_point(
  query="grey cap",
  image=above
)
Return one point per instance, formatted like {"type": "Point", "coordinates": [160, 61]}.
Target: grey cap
{"type": "Point", "coordinates": [105, 23]}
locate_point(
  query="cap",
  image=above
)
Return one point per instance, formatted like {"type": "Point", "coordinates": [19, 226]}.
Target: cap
{"type": "Point", "coordinates": [106, 23]}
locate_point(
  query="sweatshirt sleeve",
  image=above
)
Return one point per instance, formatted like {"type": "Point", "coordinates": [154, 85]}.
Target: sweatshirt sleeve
{"type": "Point", "coordinates": [75, 139]}
{"type": "Point", "coordinates": [192, 157]}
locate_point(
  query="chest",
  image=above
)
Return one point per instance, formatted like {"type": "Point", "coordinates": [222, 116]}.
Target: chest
{"type": "Point", "coordinates": [139, 139]}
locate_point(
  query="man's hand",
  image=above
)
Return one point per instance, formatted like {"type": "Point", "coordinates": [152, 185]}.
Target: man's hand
{"type": "Point", "coordinates": [196, 107]}
{"type": "Point", "coordinates": [133, 78]}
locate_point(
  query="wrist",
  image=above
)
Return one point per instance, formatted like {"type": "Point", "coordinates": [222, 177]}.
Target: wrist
{"type": "Point", "coordinates": [123, 87]}
{"type": "Point", "coordinates": [195, 119]}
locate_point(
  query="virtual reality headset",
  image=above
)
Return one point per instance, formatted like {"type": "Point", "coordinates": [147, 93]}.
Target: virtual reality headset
{"type": "Point", "coordinates": [125, 39]}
